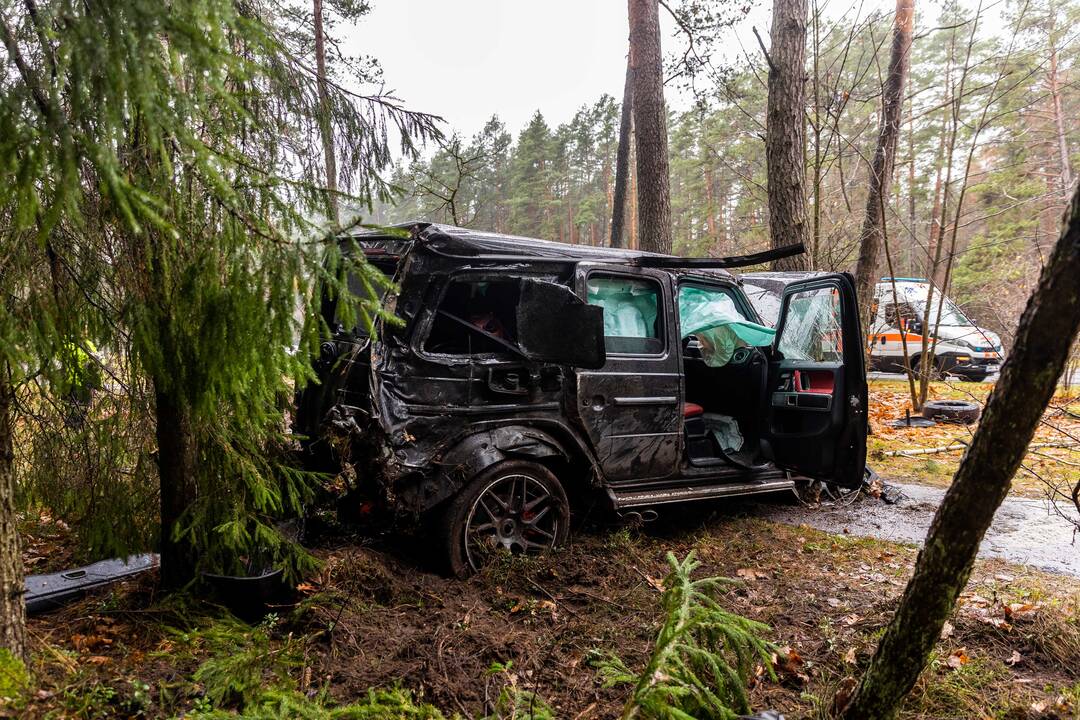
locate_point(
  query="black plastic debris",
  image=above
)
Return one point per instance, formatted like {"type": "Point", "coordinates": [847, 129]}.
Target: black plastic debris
{"type": "Point", "coordinates": [891, 494]}
{"type": "Point", "coordinates": [48, 592]}
{"type": "Point", "coordinates": [250, 596]}
{"type": "Point", "coordinates": [909, 422]}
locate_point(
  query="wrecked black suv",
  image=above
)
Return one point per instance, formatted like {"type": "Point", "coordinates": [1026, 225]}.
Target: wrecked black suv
{"type": "Point", "coordinates": [525, 373]}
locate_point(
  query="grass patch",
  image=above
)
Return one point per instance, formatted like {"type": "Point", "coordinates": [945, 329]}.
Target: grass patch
{"type": "Point", "coordinates": [977, 688]}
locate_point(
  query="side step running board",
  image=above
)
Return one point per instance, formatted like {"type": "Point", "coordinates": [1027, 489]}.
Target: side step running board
{"type": "Point", "coordinates": [46, 592]}
{"type": "Point", "coordinates": [642, 498]}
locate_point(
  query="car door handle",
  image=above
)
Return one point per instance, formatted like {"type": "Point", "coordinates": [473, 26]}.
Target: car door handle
{"type": "Point", "coordinates": [663, 400]}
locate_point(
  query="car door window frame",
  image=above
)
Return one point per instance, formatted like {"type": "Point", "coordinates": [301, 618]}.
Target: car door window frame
{"type": "Point", "coordinates": [427, 324]}
{"type": "Point", "coordinates": [664, 313]}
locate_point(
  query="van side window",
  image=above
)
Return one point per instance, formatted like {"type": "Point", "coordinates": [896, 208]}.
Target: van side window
{"type": "Point", "coordinates": [631, 313]}
{"type": "Point", "coordinates": [476, 317]}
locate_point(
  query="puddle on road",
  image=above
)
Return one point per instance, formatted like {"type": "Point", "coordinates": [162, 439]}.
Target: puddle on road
{"type": "Point", "coordinates": [1024, 531]}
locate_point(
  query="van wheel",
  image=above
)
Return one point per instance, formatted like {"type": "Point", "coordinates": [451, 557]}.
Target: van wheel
{"type": "Point", "coordinates": [514, 506]}
{"type": "Point", "coordinates": [936, 373]}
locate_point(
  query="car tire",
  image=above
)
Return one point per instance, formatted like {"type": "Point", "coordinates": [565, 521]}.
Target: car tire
{"type": "Point", "coordinates": [935, 373]}
{"type": "Point", "coordinates": [515, 505]}
{"type": "Point", "coordinates": [959, 411]}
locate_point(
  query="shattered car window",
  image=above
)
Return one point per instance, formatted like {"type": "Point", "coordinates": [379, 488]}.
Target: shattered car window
{"type": "Point", "coordinates": [631, 317]}
{"type": "Point", "coordinates": [766, 302]}
{"type": "Point", "coordinates": [476, 317]}
{"type": "Point", "coordinates": [813, 329]}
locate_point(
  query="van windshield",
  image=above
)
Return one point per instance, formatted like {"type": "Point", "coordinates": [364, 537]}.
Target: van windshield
{"type": "Point", "coordinates": [950, 314]}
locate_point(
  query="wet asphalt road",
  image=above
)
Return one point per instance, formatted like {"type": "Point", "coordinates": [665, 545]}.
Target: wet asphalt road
{"type": "Point", "coordinates": [1024, 531]}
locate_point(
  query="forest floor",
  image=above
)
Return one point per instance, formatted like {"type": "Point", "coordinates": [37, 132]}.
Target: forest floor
{"type": "Point", "coordinates": [528, 637]}
{"type": "Point", "coordinates": [376, 616]}
{"type": "Point", "coordinates": [1047, 470]}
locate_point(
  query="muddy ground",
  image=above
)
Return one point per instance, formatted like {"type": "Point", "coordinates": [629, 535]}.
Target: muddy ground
{"type": "Point", "coordinates": [377, 616]}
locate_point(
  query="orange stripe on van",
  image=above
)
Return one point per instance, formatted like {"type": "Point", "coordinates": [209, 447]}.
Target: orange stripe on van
{"type": "Point", "coordinates": [896, 337]}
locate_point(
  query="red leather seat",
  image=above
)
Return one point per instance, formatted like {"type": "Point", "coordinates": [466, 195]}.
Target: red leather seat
{"type": "Point", "coordinates": [692, 410]}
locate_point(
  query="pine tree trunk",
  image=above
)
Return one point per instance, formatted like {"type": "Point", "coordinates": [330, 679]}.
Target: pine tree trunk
{"type": "Point", "coordinates": [710, 205]}
{"type": "Point", "coordinates": [650, 127]}
{"type": "Point", "coordinates": [785, 131]}
{"type": "Point", "coordinates": [324, 106]}
{"type": "Point", "coordinates": [622, 159]}
{"type": "Point", "coordinates": [12, 588]}
{"type": "Point", "coordinates": [634, 240]}
{"type": "Point", "coordinates": [912, 233]}
{"type": "Point", "coordinates": [176, 469]}
{"type": "Point", "coordinates": [1043, 340]}
{"type": "Point", "coordinates": [1059, 121]}
{"type": "Point", "coordinates": [881, 170]}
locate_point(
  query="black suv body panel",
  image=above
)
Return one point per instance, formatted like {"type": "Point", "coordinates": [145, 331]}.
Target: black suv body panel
{"type": "Point", "coordinates": [455, 386]}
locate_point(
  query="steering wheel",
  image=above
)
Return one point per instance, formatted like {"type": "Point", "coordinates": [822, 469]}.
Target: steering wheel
{"type": "Point", "coordinates": [741, 355]}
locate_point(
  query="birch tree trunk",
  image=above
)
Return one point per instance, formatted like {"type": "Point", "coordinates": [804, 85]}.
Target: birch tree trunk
{"type": "Point", "coordinates": [873, 228]}
{"type": "Point", "coordinates": [650, 127]}
{"type": "Point", "coordinates": [785, 131]}
{"type": "Point", "coordinates": [1044, 338]}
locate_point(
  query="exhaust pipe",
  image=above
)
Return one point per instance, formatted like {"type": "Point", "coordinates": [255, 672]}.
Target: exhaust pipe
{"type": "Point", "coordinates": [639, 517]}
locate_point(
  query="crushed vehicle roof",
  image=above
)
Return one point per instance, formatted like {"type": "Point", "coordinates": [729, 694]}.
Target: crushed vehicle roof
{"type": "Point", "coordinates": [465, 243]}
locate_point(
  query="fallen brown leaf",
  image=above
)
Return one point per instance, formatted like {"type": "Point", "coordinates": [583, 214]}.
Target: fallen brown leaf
{"type": "Point", "coordinates": [85, 643]}
{"type": "Point", "coordinates": [844, 691]}
{"type": "Point", "coordinates": [958, 658]}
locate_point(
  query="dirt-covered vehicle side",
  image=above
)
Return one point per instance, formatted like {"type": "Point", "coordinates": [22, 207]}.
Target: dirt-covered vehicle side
{"type": "Point", "coordinates": [527, 377]}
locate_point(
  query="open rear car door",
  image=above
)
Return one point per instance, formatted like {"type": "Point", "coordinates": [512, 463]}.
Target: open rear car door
{"type": "Point", "coordinates": [816, 395]}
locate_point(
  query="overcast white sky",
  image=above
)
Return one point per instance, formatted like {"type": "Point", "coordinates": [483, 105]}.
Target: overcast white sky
{"type": "Point", "coordinates": [468, 59]}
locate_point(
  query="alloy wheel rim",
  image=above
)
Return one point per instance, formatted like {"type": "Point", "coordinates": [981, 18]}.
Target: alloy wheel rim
{"type": "Point", "coordinates": [513, 513]}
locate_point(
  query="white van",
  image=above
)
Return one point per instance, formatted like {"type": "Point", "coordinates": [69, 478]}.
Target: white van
{"type": "Point", "coordinates": [963, 349]}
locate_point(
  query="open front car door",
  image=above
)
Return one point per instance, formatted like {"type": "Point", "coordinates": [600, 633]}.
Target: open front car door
{"type": "Point", "coordinates": [816, 394]}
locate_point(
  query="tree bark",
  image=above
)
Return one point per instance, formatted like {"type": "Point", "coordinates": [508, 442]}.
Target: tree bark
{"type": "Point", "coordinates": [881, 170]}
{"type": "Point", "coordinates": [622, 159]}
{"type": "Point", "coordinates": [176, 469]}
{"type": "Point", "coordinates": [12, 588]}
{"type": "Point", "coordinates": [1043, 340]}
{"type": "Point", "coordinates": [650, 127]}
{"type": "Point", "coordinates": [1059, 121]}
{"type": "Point", "coordinates": [325, 129]}
{"type": "Point", "coordinates": [785, 132]}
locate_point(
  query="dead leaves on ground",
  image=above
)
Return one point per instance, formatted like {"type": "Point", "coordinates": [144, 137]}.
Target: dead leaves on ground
{"type": "Point", "coordinates": [789, 665]}
{"type": "Point", "coordinates": [995, 613]}
{"type": "Point", "coordinates": [958, 658]}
